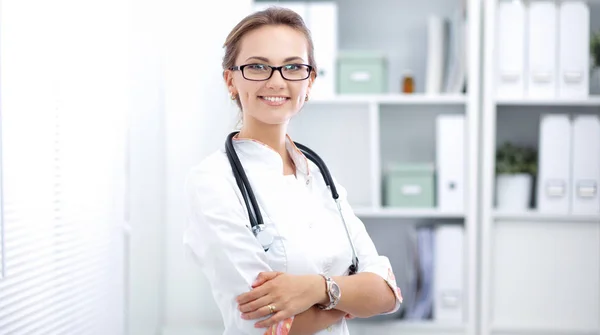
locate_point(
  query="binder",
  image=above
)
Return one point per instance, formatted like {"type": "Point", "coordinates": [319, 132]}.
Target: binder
{"type": "Point", "coordinates": [450, 162]}
{"type": "Point", "coordinates": [448, 274]}
{"type": "Point", "coordinates": [510, 72]}
{"type": "Point", "coordinates": [436, 42]}
{"type": "Point", "coordinates": [542, 29]}
{"type": "Point", "coordinates": [574, 59]}
{"type": "Point", "coordinates": [585, 165]}
{"type": "Point", "coordinates": [554, 164]}
{"type": "Point", "coordinates": [322, 22]}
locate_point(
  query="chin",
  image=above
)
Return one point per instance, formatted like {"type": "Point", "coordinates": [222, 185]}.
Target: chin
{"type": "Point", "coordinates": [275, 116]}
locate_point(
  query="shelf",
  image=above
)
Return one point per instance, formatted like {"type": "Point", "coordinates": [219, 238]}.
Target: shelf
{"type": "Point", "coordinates": [537, 331]}
{"type": "Point", "coordinates": [590, 101]}
{"type": "Point", "coordinates": [394, 99]}
{"type": "Point", "coordinates": [544, 217]}
{"type": "Point", "coordinates": [406, 213]}
{"type": "Point", "coordinates": [405, 326]}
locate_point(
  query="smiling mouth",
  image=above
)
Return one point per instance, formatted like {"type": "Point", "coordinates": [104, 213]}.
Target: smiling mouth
{"type": "Point", "coordinates": [274, 101]}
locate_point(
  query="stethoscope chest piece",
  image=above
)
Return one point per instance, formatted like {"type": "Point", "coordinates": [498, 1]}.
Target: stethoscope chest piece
{"type": "Point", "coordinates": [264, 236]}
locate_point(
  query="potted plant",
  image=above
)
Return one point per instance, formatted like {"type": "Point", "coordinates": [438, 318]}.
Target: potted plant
{"type": "Point", "coordinates": [595, 62]}
{"type": "Point", "coordinates": [516, 167]}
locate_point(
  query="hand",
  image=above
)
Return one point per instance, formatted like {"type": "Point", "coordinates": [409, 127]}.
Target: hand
{"type": "Point", "coordinates": [290, 295]}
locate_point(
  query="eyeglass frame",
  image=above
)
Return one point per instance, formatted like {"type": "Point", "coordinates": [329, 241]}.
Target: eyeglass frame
{"type": "Point", "coordinates": [273, 69]}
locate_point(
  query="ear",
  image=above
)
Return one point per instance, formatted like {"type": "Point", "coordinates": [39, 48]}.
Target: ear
{"type": "Point", "coordinates": [228, 78]}
{"type": "Point", "coordinates": [311, 79]}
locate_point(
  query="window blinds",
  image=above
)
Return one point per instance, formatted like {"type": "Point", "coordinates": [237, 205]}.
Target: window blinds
{"type": "Point", "coordinates": [63, 105]}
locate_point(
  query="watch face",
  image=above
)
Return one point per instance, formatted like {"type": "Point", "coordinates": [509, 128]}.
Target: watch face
{"type": "Point", "coordinates": [335, 290]}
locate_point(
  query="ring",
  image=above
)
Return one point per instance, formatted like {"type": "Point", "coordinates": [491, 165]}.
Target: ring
{"type": "Point", "coordinates": [271, 309]}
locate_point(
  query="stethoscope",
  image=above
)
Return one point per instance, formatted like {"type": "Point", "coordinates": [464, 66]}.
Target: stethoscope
{"type": "Point", "coordinates": [264, 237]}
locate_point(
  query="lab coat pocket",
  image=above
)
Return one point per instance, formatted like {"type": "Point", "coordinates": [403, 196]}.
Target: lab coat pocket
{"type": "Point", "coordinates": [276, 255]}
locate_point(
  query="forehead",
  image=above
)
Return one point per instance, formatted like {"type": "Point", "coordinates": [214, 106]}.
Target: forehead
{"type": "Point", "coordinates": [275, 43]}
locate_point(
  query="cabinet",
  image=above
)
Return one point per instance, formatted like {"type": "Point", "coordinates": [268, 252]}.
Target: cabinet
{"type": "Point", "coordinates": [540, 266]}
{"type": "Point", "coordinates": [361, 135]}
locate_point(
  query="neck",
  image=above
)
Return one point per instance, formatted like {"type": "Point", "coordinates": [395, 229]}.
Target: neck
{"type": "Point", "coordinates": [272, 135]}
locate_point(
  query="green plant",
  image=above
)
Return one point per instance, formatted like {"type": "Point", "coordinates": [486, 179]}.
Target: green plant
{"type": "Point", "coordinates": [511, 159]}
{"type": "Point", "coordinates": [595, 49]}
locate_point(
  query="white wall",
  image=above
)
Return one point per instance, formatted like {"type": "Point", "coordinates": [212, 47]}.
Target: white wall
{"type": "Point", "coordinates": [198, 115]}
{"type": "Point", "coordinates": [146, 170]}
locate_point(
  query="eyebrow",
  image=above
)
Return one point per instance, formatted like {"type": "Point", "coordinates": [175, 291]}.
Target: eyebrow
{"type": "Point", "coordinates": [266, 60]}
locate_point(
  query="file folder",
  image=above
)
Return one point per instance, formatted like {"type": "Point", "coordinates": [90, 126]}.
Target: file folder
{"type": "Point", "coordinates": [510, 71]}
{"type": "Point", "coordinates": [585, 165]}
{"type": "Point", "coordinates": [448, 274]}
{"type": "Point", "coordinates": [322, 22]}
{"type": "Point", "coordinates": [450, 162]}
{"type": "Point", "coordinates": [574, 41]}
{"type": "Point", "coordinates": [554, 164]}
{"type": "Point", "coordinates": [542, 29]}
{"type": "Point", "coordinates": [436, 51]}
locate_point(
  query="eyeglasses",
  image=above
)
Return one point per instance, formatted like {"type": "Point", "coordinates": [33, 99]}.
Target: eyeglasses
{"type": "Point", "coordinates": [261, 72]}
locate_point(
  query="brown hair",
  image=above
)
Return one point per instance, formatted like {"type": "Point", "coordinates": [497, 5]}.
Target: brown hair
{"type": "Point", "coordinates": [269, 16]}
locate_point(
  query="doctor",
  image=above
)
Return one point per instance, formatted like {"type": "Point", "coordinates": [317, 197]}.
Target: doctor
{"type": "Point", "coordinates": [299, 283]}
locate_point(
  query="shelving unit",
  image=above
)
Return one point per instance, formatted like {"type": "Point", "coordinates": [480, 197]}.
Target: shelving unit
{"type": "Point", "coordinates": [359, 135]}
{"type": "Point", "coordinates": [540, 272]}
{"type": "Point", "coordinates": [396, 99]}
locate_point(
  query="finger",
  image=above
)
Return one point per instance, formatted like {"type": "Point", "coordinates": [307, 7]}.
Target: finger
{"type": "Point", "coordinates": [264, 277]}
{"type": "Point", "coordinates": [257, 314]}
{"type": "Point", "coordinates": [255, 304]}
{"type": "Point", "coordinates": [273, 320]}
{"type": "Point", "coordinates": [252, 295]}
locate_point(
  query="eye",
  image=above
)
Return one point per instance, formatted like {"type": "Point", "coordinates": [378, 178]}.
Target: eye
{"type": "Point", "coordinates": [256, 67]}
{"type": "Point", "coordinates": [292, 67]}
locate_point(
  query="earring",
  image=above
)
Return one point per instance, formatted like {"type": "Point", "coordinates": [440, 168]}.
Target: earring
{"type": "Point", "coordinates": [233, 96]}
{"type": "Point", "coordinates": [306, 98]}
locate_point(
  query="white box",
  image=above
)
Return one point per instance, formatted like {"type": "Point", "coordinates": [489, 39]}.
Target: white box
{"type": "Point", "coordinates": [542, 63]}
{"type": "Point", "coordinates": [554, 164]}
{"type": "Point", "coordinates": [573, 45]}
{"type": "Point", "coordinates": [448, 275]}
{"type": "Point", "coordinates": [450, 162]}
{"type": "Point", "coordinates": [510, 66]}
{"type": "Point", "coordinates": [585, 165]}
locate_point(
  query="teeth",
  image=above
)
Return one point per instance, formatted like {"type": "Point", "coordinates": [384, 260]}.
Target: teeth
{"type": "Point", "coordinates": [274, 99]}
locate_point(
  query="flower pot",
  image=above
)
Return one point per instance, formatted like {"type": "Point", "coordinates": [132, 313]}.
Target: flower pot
{"type": "Point", "coordinates": [513, 192]}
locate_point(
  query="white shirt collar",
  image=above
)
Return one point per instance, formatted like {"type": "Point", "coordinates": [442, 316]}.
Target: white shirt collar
{"type": "Point", "coordinates": [255, 152]}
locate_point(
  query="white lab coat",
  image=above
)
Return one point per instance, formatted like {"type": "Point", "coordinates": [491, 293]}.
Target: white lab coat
{"type": "Point", "coordinates": [309, 234]}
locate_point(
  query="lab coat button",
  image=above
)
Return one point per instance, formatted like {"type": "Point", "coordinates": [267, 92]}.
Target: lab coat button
{"type": "Point", "coordinates": [307, 181]}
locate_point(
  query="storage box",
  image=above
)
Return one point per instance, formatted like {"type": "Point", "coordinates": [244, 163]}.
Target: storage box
{"type": "Point", "coordinates": [361, 72]}
{"type": "Point", "coordinates": [410, 186]}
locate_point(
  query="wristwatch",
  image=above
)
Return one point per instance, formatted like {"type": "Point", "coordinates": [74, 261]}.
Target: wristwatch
{"type": "Point", "coordinates": [333, 291]}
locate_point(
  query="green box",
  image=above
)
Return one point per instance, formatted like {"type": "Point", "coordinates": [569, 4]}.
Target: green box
{"type": "Point", "coordinates": [410, 186]}
{"type": "Point", "coordinates": [361, 73]}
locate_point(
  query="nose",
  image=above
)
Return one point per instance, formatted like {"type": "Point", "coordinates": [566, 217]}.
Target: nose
{"type": "Point", "coordinates": [276, 81]}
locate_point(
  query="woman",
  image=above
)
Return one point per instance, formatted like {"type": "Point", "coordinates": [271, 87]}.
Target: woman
{"type": "Point", "coordinates": [300, 284]}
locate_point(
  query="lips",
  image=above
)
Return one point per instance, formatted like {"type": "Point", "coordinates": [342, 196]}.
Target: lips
{"type": "Point", "coordinates": [274, 100]}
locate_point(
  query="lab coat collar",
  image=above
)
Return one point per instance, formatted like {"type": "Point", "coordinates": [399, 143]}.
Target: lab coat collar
{"type": "Point", "coordinates": [262, 152]}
